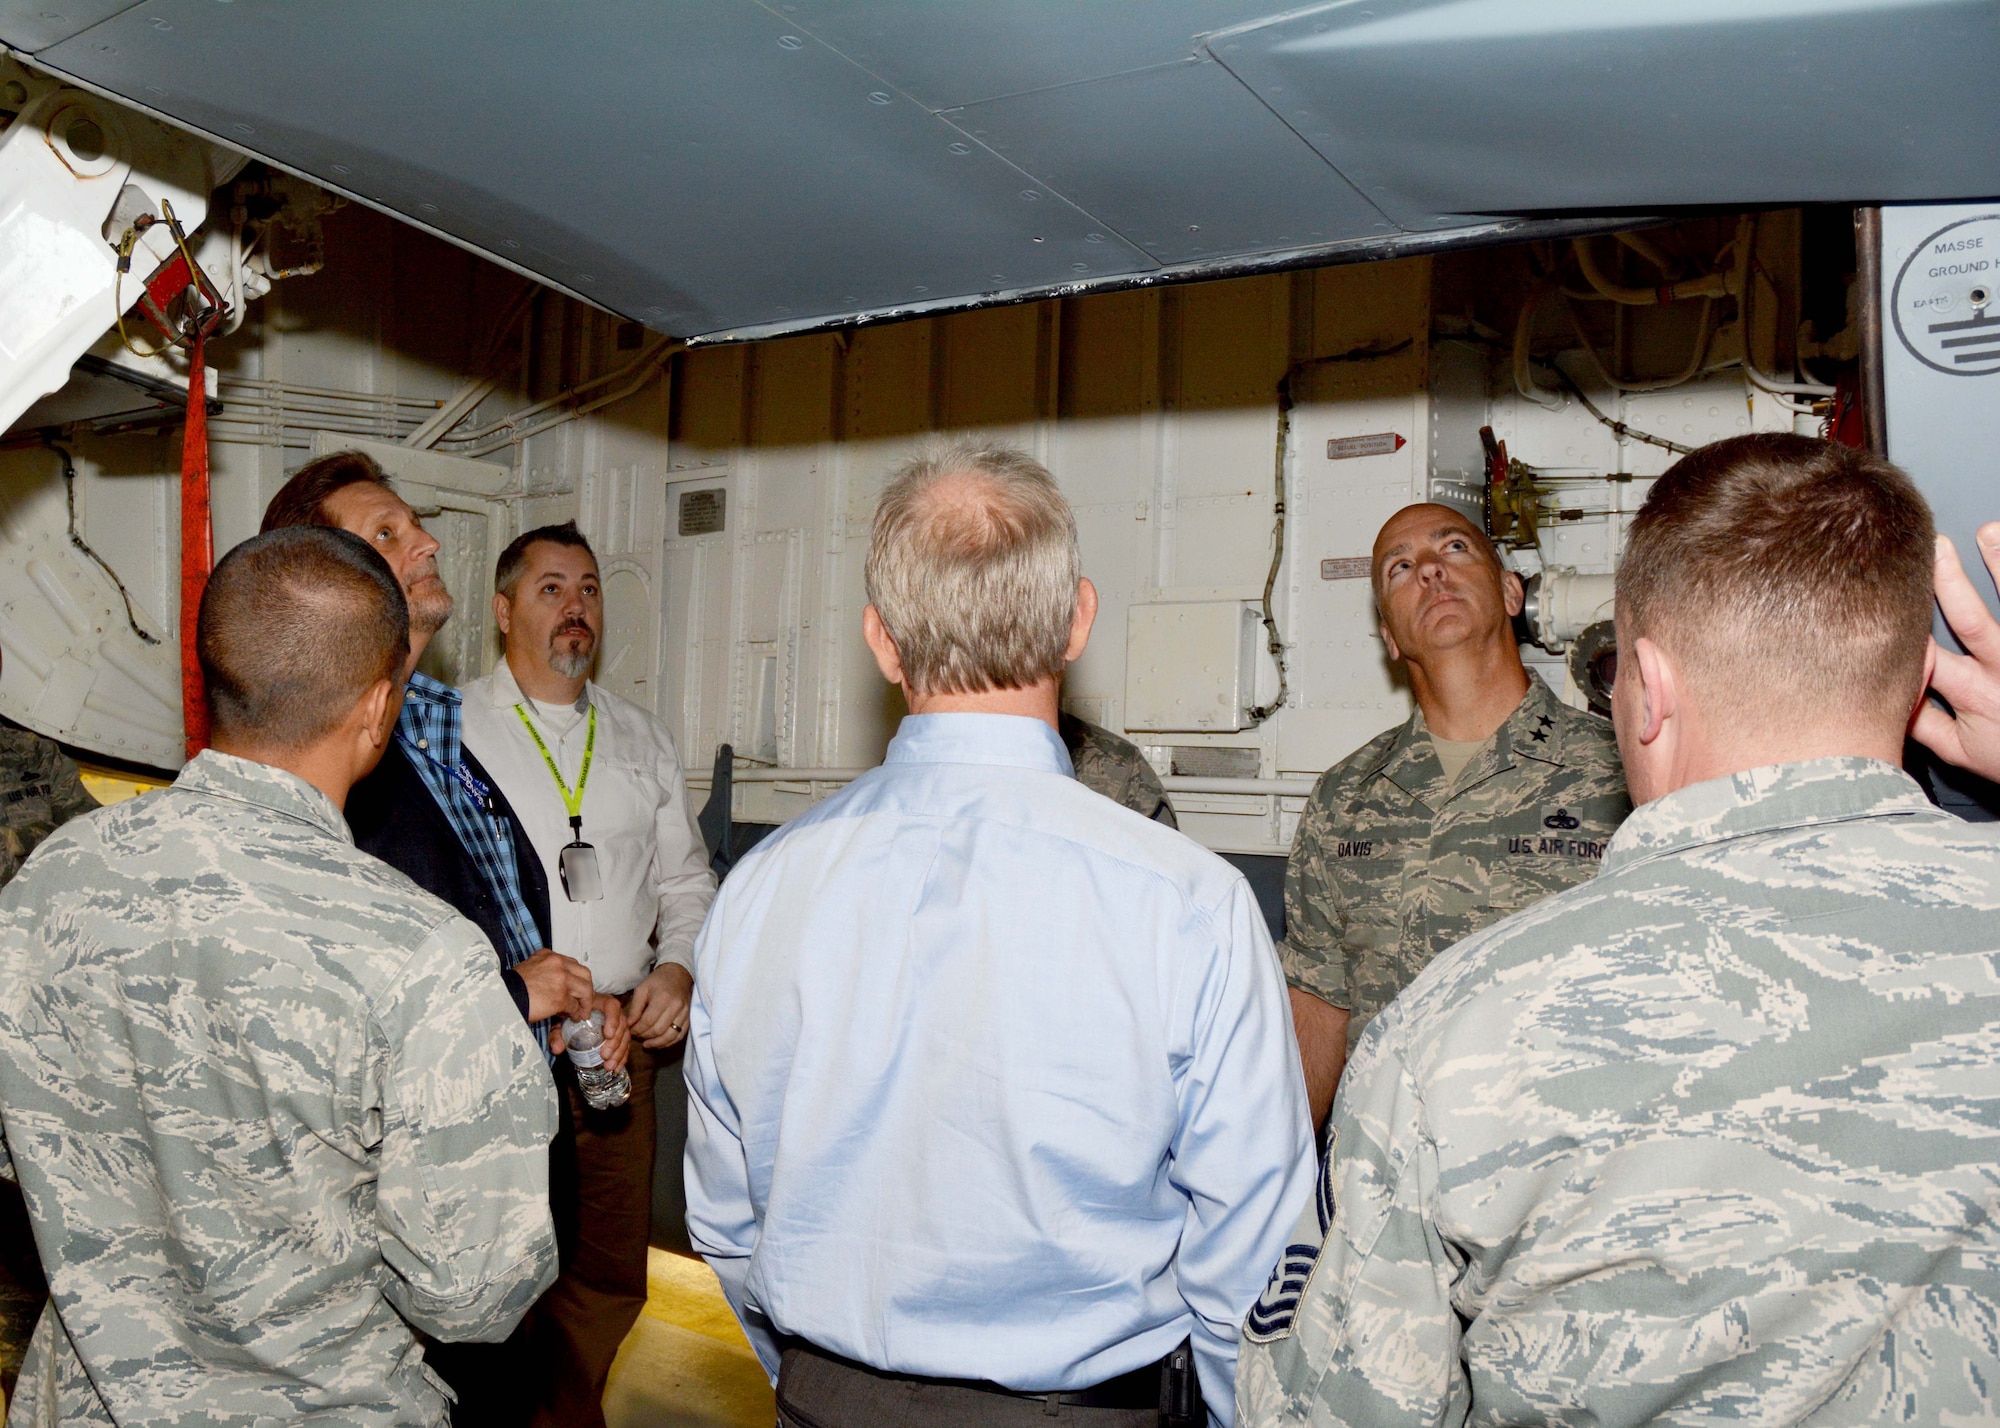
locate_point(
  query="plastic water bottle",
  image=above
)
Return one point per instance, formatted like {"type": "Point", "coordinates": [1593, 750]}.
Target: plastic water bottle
{"type": "Point", "coordinates": [602, 1087]}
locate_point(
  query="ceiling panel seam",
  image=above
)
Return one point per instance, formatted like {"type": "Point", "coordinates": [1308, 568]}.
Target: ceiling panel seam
{"type": "Point", "coordinates": [237, 146]}
{"type": "Point", "coordinates": [1134, 244]}
{"type": "Point", "coordinates": [1310, 146]}
{"type": "Point", "coordinates": [791, 22]}
{"type": "Point", "coordinates": [943, 116]}
{"type": "Point", "coordinates": [23, 53]}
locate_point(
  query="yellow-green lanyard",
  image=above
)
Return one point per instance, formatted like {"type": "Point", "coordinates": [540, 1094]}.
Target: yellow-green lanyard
{"type": "Point", "coordinates": [572, 802]}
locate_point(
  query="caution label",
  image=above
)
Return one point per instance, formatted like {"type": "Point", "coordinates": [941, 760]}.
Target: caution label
{"type": "Point", "coordinates": [1381, 443]}
{"type": "Point", "coordinates": [1946, 302]}
{"type": "Point", "coordinates": [1350, 567]}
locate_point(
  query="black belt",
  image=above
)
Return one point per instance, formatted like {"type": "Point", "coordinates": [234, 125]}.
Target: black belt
{"type": "Point", "coordinates": [1166, 1385]}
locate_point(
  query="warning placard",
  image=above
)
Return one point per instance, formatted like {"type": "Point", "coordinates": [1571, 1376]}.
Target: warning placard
{"type": "Point", "coordinates": [1947, 298]}
{"type": "Point", "coordinates": [1350, 567]}
{"type": "Point", "coordinates": [1380, 443]}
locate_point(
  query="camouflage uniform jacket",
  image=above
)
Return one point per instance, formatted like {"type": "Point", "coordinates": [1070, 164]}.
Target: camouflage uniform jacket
{"type": "Point", "coordinates": [267, 1102]}
{"type": "Point", "coordinates": [40, 791]}
{"type": "Point", "coordinates": [1714, 1137]}
{"type": "Point", "coordinates": [1114, 767]}
{"type": "Point", "coordinates": [1391, 865]}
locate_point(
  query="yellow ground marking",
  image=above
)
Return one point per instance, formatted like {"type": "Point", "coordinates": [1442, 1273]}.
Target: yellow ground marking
{"type": "Point", "coordinates": [109, 786]}
{"type": "Point", "coordinates": [686, 1363]}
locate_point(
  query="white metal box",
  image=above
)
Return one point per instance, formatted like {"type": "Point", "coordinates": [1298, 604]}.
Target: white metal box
{"type": "Point", "coordinates": [1191, 668]}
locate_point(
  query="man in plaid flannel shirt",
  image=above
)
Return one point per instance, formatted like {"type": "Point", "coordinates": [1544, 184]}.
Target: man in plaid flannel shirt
{"type": "Point", "coordinates": [432, 812]}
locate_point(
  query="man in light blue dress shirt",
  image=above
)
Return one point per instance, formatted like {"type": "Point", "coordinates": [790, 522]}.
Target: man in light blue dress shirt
{"type": "Point", "coordinates": [996, 1108]}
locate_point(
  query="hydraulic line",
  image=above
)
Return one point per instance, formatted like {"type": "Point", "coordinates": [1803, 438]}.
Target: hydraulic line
{"type": "Point", "coordinates": [1274, 642]}
{"type": "Point", "coordinates": [1686, 374]}
{"type": "Point", "coordinates": [1524, 330]}
{"type": "Point", "coordinates": [1749, 270]}
{"type": "Point", "coordinates": [1708, 286]}
{"type": "Point", "coordinates": [1618, 428]}
{"type": "Point", "coordinates": [80, 544]}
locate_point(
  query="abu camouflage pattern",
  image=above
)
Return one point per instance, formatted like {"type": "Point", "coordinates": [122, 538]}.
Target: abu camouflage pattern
{"type": "Point", "coordinates": [1392, 863]}
{"type": "Point", "coordinates": [270, 1107]}
{"type": "Point", "coordinates": [1114, 767]}
{"type": "Point", "coordinates": [40, 791]}
{"type": "Point", "coordinates": [1712, 1138]}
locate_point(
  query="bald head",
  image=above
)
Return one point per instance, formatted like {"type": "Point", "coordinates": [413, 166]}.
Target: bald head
{"type": "Point", "coordinates": [296, 626]}
{"type": "Point", "coordinates": [974, 571]}
{"type": "Point", "coordinates": [1441, 588]}
{"type": "Point", "coordinates": [1402, 533]}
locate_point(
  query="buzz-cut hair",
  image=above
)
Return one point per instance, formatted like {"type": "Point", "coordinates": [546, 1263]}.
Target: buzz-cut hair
{"type": "Point", "coordinates": [1790, 575]}
{"type": "Point", "coordinates": [973, 567]}
{"type": "Point", "coordinates": [513, 561]}
{"type": "Point", "coordinates": [295, 626]}
{"type": "Point", "coordinates": [301, 501]}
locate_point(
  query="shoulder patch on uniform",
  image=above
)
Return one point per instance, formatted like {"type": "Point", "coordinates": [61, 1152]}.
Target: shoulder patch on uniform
{"type": "Point", "coordinates": [1271, 1317]}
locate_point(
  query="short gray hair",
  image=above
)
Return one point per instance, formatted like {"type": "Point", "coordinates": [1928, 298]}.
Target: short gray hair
{"type": "Point", "coordinates": [977, 583]}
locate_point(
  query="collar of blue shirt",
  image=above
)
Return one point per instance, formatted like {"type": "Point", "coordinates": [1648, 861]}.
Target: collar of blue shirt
{"type": "Point", "coordinates": [430, 718]}
{"type": "Point", "coordinates": [1008, 740]}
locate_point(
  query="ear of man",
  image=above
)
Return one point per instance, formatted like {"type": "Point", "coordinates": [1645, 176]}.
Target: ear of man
{"type": "Point", "coordinates": [374, 716]}
{"type": "Point", "coordinates": [882, 645]}
{"type": "Point", "coordinates": [339, 758]}
{"type": "Point", "coordinates": [1659, 689]}
{"type": "Point", "coordinates": [1080, 626]}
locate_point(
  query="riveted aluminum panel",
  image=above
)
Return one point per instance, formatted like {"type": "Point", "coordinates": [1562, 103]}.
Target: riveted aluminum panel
{"type": "Point", "coordinates": [36, 24]}
{"type": "Point", "coordinates": [1437, 108]}
{"type": "Point", "coordinates": [1181, 160]}
{"type": "Point", "coordinates": [695, 166]}
{"type": "Point", "coordinates": [944, 55]}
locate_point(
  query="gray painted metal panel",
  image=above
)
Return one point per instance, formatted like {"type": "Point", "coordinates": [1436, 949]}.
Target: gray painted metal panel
{"type": "Point", "coordinates": [733, 168]}
{"type": "Point", "coordinates": [1181, 160]}
{"type": "Point", "coordinates": [1443, 107]}
{"type": "Point", "coordinates": [36, 24]}
{"type": "Point", "coordinates": [1941, 384]}
{"type": "Point", "coordinates": [693, 166]}
{"type": "Point", "coordinates": [1940, 366]}
{"type": "Point", "coordinates": [944, 55]}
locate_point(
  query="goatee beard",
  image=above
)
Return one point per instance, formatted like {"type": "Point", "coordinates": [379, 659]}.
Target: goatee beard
{"type": "Point", "coordinates": [571, 664]}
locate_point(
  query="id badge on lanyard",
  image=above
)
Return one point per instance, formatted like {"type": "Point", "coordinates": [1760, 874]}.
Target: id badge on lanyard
{"type": "Point", "coordinates": [577, 862]}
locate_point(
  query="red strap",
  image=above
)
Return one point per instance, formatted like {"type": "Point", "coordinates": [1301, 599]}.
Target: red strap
{"type": "Point", "coordinates": [162, 288]}
{"type": "Point", "coordinates": [197, 545]}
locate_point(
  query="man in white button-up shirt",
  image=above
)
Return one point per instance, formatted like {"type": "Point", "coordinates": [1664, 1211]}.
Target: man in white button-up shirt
{"type": "Point", "coordinates": [597, 783]}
